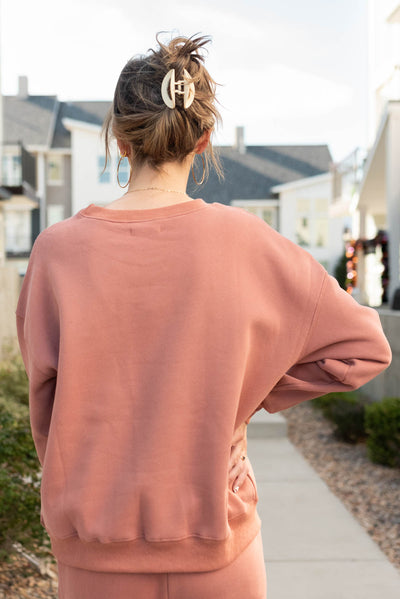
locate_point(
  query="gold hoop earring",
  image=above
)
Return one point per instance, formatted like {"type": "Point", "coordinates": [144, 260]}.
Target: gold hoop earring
{"type": "Point", "coordinates": [204, 172]}
{"type": "Point", "coordinates": [119, 162]}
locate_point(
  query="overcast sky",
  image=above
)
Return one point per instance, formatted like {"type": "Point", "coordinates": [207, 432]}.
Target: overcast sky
{"type": "Point", "coordinates": [292, 71]}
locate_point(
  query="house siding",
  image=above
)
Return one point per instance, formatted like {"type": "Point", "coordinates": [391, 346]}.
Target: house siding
{"type": "Point", "coordinates": [62, 194]}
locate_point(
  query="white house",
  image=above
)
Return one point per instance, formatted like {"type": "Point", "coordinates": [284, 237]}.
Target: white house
{"type": "Point", "coordinates": [379, 196]}
{"type": "Point", "coordinates": [90, 183]}
{"type": "Point", "coordinates": [37, 171]}
{"type": "Point", "coordinates": [305, 220]}
{"type": "Point", "coordinates": [300, 212]}
{"type": "Point", "coordinates": [287, 186]}
{"type": "Point", "coordinates": [372, 201]}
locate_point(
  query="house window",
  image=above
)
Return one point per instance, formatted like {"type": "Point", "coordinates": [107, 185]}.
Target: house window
{"type": "Point", "coordinates": [55, 213]}
{"type": "Point", "coordinates": [251, 209]}
{"type": "Point", "coordinates": [303, 232]}
{"type": "Point", "coordinates": [303, 205]}
{"type": "Point", "coordinates": [267, 210]}
{"type": "Point", "coordinates": [321, 232]}
{"type": "Point", "coordinates": [312, 222]}
{"type": "Point", "coordinates": [55, 169]}
{"type": "Point", "coordinates": [12, 174]}
{"type": "Point", "coordinates": [321, 205]}
{"type": "Point", "coordinates": [17, 231]}
{"type": "Point", "coordinates": [103, 177]}
{"type": "Point", "coordinates": [269, 216]}
{"type": "Point", "coordinates": [124, 170]}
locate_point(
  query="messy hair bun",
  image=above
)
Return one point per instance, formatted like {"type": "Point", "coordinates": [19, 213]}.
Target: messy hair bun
{"type": "Point", "coordinates": [139, 117]}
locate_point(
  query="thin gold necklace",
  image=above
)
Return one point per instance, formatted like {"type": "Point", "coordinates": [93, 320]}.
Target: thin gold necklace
{"type": "Point", "coordinates": [156, 188]}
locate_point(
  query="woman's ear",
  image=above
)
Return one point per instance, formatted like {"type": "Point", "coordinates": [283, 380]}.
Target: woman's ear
{"type": "Point", "coordinates": [203, 142]}
{"type": "Point", "coordinates": [123, 147]}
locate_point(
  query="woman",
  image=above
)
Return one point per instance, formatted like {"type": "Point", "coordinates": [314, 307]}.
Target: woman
{"type": "Point", "coordinates": [152, 329]}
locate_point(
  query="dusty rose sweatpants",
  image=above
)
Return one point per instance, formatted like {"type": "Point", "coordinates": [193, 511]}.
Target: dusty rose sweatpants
{"type": "Point", "coordinates": [244, 578]}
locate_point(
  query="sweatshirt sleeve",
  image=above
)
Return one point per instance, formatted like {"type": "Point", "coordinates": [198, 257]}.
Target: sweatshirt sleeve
{"type": "Point", "coordinates": [343, 349]}
{"type": "Point", "coordinates": [38, 337]}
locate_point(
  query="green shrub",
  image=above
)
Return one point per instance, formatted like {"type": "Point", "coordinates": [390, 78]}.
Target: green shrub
{"type": "Point", "coordinates": [19, 465]}
{"type": "Point", "coordinates": [382, 423]}
{"type": "Point", "coordinates": [19, 484]}
{"type": "Point", "coordinates": [347, 411]}
{"type": "Point", "coordinates": [325, 401]}
{"type": "Point", "coordinates": [13, 379]}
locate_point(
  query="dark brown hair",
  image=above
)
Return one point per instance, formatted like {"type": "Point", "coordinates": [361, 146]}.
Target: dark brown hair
{"type": "Point", "coordinates": [138, 115]}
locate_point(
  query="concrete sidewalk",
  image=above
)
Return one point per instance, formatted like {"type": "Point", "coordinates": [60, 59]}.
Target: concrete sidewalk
{"type": "Point", "coordinates": [313, 546]}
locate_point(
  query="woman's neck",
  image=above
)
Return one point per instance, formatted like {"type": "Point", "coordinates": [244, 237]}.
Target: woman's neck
{"type": "Point", "coordinates": [149, 188]}
{"type": "Point", "coordinates": [174, 175]}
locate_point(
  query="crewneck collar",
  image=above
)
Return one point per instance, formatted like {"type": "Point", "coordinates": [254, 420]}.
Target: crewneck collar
{"type": "Point", "coordinates": [94, 211]}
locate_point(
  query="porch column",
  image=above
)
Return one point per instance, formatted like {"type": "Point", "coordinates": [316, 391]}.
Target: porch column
{"type": "Point", "coordinates": [361, 295]}
{"type": "Point", "coordinates": [393, 196]}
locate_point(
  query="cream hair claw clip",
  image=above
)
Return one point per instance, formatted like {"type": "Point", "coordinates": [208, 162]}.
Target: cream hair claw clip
{"type": "Point", "coordinates": [177, 87]}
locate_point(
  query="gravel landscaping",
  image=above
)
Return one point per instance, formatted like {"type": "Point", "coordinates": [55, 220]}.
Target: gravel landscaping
{"type": "Point", "coordinates": [19, 580]}
{"type": "Point", "coordinates": [370, 491]}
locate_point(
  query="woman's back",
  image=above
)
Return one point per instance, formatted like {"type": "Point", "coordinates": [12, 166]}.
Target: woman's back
{"type": "Point", "coordinates": [168, 328]}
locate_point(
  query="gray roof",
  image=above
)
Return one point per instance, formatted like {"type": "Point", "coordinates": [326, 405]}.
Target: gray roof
{"type": "Point", "coordinates": [89, 112]}
{"type": "Point", "coordinates": [37, 120]}
{"type": "Point", "coordinates": [252, 175]}
{"type": "Point", "coordinates": [29, 120]}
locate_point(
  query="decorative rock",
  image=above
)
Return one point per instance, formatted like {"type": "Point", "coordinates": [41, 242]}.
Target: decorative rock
{"type": "Point", "coordinates": [370, 491]}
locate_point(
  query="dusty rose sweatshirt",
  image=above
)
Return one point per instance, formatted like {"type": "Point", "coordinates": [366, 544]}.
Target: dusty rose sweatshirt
{"type": "Point", "coordinates": [148, 336]}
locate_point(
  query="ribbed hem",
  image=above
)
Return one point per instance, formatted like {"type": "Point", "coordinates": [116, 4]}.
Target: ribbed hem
{"type": "Point", "coordinates": [192, 554]}
{"type": "Point", "coordinates": [115, 215]}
